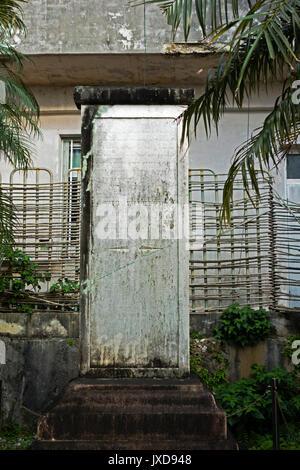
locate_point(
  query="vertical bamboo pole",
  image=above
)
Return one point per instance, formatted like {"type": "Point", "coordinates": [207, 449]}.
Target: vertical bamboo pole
{"type": "Point", "coordinates": [205, 279]}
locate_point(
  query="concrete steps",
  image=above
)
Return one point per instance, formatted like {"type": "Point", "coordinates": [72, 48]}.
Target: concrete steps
{"type": "Point", "coordinates": [134, 414]}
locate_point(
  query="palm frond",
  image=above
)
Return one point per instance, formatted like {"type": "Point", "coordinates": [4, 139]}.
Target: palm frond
{"type": "Point", "coordinates": [19, 116]}
{"type": "Point", "coordinates": [267, 146]}
{"type": "Point", "coordinates": [11, 16]}
{"type": "Point", "coordinates": [262, 49]}
{"type": "Point", "coordinates": [210, 13]}
{"type": "Point", "coordinates": [261, 44]}
{"type": "Point", "coordinates": [17, 147]}
{"type": "Point", "coordinates": [19, 113]}
{"type": "Point", "coordinates": [7, 220]}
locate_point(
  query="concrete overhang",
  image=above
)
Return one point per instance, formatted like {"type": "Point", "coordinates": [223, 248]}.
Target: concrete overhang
{"type": "Point", "coordinates": [158, 69]}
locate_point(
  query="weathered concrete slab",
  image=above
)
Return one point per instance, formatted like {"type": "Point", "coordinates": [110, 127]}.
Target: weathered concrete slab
{"type": "Point", "coordinates": [135, 272]}
{"type": "Point", "coordinates": [131, 96]}
{"type": "Point", "coordinates": [42, 324]}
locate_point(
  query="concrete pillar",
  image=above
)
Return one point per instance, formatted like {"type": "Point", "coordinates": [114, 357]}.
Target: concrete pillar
{"type": "Point", "coordinates": [134, 250]}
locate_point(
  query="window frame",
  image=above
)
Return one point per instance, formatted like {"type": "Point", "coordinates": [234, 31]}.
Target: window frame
{"type": "Point", "coordinates": [65, 165]}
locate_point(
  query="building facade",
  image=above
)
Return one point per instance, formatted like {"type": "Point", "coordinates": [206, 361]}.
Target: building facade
{"type": "Point", "coordinates": [99, 43]}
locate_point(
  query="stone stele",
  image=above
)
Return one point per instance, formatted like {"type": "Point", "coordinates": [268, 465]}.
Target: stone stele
{"type": "Point", "coordinates": [135, 256]}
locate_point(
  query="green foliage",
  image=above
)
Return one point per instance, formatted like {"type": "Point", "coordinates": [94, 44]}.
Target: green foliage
{"type": "Point", "coordinates": [65, 286]}
{"type": "Point", "coordinates": [212, 380]}
{"type": "Point", "coordinates": [209, 14]}
{"type": "Point", "coordinates": [195, 361]}
{"type": "Point", "coordinates": [212, 376]}
{"type": "Point", "coordinates": [256, 441]}
{"type": "Point", "coordinates": [19, 278]}
{"type": "Point", "coordinates": [288, 350]}
{"type": "Point", "coordinates": [243, 326]}
{"type": "Point", "coordinates": [14, 437]}
{"type": "Point", "coordinates": [248, 401]}
{"type": "Point", "coordinates": [19, 112]}
{"type": "Point", "coordinates": [196, 335]}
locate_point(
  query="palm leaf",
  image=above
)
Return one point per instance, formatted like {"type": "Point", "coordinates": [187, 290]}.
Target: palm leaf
{"type": "Point", "coordinates": [19, 114]}
{"type": "Point", "coordinates": [8, 220]}
{"type": "Point", "coordinates": [11, 16]}
{"type": "Point", "coordinates": [210, 13]}
{"type": "Point", "coordinates": [266, 148]}
{"type": "Point", "coordinates": [261, 45]}
{"type": "Point", "coordinates": [187, 17]}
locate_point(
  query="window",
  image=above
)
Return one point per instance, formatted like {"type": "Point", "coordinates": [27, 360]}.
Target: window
{"type": "Point", "coordinates": [293, 166]}
{"type": "Point", "coordinates": [293, 177]}
{"type": "Point", "coordinates": [71, 157]}
{"type": "Point", "coordinates": [293, 196]}
{"type": "Point", "coordinates": [71, 165]}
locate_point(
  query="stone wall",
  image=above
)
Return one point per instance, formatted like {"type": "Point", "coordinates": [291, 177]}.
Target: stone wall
{"type": "Point", "coordinates": [267, 352]}
{"type": "Point", "coordinates": [42, 356]}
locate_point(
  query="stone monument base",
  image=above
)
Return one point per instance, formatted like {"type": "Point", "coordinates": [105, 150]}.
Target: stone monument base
{"type": "Point", "coordinates": [135, 414]}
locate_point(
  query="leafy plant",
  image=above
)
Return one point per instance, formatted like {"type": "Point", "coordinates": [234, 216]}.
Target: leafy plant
{"type": "Point", "coordinates": [243, 326]}
{"type": "Point", "coordinates": [288, 350]}
{"type": "Point", "coordinates": [196, 335]}
{"type": "Point", "coordinates": [212, 380]}
{"type": "Point", "coordinates": [206, 361]}
{"type": "Point", "coordinates": [257, 441]}
{"type": "Point", "coordinates": [19, 278]}
{"type": "Point", "coordinates": [15, 437]}
{"type": "Point", "coordinates": [65, 286]}
{"type": "Point", "coordinates": [248, 401]}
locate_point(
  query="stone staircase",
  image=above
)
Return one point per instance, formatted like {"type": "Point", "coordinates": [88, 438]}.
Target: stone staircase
{"type": "Point", "coordinates": [135, 414]}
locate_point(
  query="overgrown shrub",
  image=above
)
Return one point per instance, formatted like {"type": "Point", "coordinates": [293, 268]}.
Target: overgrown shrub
{"type": "Point", "coordinates": [207, 360]}
{"type": "Point", "coordinates": [248, 401]}
{"type": "Point", "coordinates": [289, 439]}
{"type": "Point", "coordinates": [243, 326]}
{"type": "Point", "coordinates": [19, 278]}
{"type": "Point", "coordinates": [288, 350]}
{"type": "Point", "coordinates": [15, 437]}
{"type": "Point", "coordinates": [65, 286]}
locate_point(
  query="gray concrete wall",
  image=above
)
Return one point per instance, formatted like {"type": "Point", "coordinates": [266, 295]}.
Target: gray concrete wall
{"type": "Point", "coordinates": [42, 356]}
{"type": "Point", "coordinates": [69, 26]}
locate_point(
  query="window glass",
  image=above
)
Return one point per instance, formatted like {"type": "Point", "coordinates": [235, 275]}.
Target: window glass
{"type": "Point", "coordinates": [293, 196]}
{"type": "Point", "coordinates": [293, 166]}
{"type": "Point", "coordinates": [71, 157]}
{"type": "Point", "coordinates": [76, 155]}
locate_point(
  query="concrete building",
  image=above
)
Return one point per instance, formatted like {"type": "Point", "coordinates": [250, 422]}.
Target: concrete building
{"type": "Point", "coordinates": [99, 43]}
{"type": "Point", "coordinates": [75, 42]}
